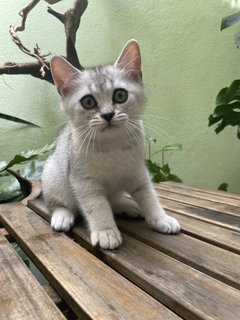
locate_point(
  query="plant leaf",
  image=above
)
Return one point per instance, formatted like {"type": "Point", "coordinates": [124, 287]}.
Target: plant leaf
{"type": "Point", "coordinates": [223, 186]}
{"type": "Point", "coordinates": [171, 147]}
{"type": "Point", "coordinates": [229, 94]}
{"type": "Point", "coordinates": [39, 152]}
{"type": "Point", "coordinates": [230, 20]}
{"type": "Point", "coordinates": [9, 189]}
{"type": "Point", "coordinates": [173, 177]}
{"type": "Point", "coordinates": [26, 156]}
{"type": "Point", "coordinates": [16, 160]}
{"type": "Point", "coordinates": [15, 119]}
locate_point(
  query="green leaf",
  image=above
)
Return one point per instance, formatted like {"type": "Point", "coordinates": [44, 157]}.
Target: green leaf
{"type": "Point", "coordinates": [230, 20]}
{"type": "Point", "coordinates": [171, 147]}
{"type": "Point", "coordinates": [32, 170]}
{"type": "Point", "coordinates": [166, 169]}
{"type": "Point", "coordinates": [9, 189]}
{"type": "Point", "coordinates": [212, 120]}
{"type": "Point", "coordinates": [229, 94]}
{"type": "Point", "coordinates": [226, 109]}
{"type": "Point", "coordinates": [26, 156]}
{"type": "Point", "coordinates": [173, 177]}
{"type": "Point", "coordinates": [152, 166]}
{"type": "Point", "coordinates": [223, 186]}
{"type": "Point", "coordinates": [16, 160]}
{"type": "Point", "coordinates": [39, 152]}
{"type": "Point", "coordinates": [15, 119]}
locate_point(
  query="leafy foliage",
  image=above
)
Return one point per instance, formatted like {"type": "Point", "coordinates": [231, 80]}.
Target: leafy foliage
{"type": "Point", "coordinates": [15, 119]}
{"type": "Point", "coordinates": [227, 111]}
{"type": "Point", "coordinates": [161, 172]}
{"type": "Point", "coordinates": [223, 186]}
{"type": "Point", "coordinates": [9, 187]}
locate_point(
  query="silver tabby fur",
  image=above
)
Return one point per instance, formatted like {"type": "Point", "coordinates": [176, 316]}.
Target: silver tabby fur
{"type": "Point", "coordinates": [98, 166]}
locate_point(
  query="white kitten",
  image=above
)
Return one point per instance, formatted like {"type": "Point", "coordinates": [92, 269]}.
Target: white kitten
{"type": "Point", "coordinates": [99, 156]}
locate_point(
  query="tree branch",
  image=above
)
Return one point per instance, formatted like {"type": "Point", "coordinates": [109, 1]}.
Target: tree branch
{"type": "Point", "coordinates": [56, 14]}
{"type": "Point", "coordinates": [35, 54]}
{"type": "Point", "coordinates": [24, 13]}
{"type": "Point", "coordinates": [31, 68]}
{"type": "Point", "coordinates": [40, 69]}
{"type": "Point", "coordinates": [71, 20]}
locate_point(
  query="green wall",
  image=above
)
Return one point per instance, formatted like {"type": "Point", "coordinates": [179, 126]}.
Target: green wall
{"type": "Point", "coordinates": [186, 61]}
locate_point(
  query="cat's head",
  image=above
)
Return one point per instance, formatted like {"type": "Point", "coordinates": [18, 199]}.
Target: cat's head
{"type": "Point", "coordinates": [102, 97]}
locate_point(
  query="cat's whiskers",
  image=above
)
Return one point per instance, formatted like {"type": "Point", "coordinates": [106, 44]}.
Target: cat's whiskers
{"type": "Point", "coordinates": [154, 128]}
{"type": "Point", "coordinates": [124, 125]}
{"type": "Point", "coordinates": [81, 133]}
{"type": "Point", "coordinates": [93, 140]}
{"type": "Point", "coordinates": [89, 141]}
{"type": "Point", "coordinates": [89, 131]}
{"type": "Point", "coordinates": [80, 127]}
{"type": "Point", "coordinates": [132, 127]}
{"type": "Point", "coordinates": [153, 117]}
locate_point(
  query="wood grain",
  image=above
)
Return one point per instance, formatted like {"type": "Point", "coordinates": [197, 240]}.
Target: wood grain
{"type": "Point", "coordinates": [224, 194]}
{"type": "Point", "coordinates": [86, 284]}
{"type": "Point", "coordinates": [190, 293]}
{"type": "Point", "coordinates": [196, 193]}
{"type": "Point", "coordinates": [216, 262]}
{"type": "Point", "coordinates": [208, 232]}
{"type": "Point", "coordinates": [226, 209]}
{"type": "Point", "coordinates": [21, 297]}
{"type": "Point", "coordinates": [215, 217]}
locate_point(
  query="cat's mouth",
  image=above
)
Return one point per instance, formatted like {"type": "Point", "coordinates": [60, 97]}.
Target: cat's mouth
{"type": "Point", "coordinates": [108, 126]}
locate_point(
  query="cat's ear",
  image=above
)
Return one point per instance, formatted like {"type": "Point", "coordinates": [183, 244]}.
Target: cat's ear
{"type": "Point", "coordinates": [130, 60]}
{"type": "Point", "coordinates": [62, 72]}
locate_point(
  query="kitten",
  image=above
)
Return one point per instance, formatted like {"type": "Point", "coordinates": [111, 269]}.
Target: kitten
{"type": "Point", "coordinates": [99, 155]}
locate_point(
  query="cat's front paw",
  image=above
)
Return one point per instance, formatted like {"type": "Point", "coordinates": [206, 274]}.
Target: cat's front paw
{"type": "Point", "coordinates": [106, 239]}
{"type": "Point", "coordinates": [62, 220]}
{"type": "Point", "coordinates": [165, 224]}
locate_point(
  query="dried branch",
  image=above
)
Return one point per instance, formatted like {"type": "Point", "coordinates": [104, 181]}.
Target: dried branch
{"type": "Point", "coordinates": [56, 14]}
{"type": "Point", "coordinates": [24, 13]}
{"type": "Point", "coordinates": [36, 54]}
{"type": "Point", "coordinates": [71, 20]}
{"type": "Point", "coordinates": [40, 69]}
{"type": "Point", "coordinates": [31, 68]}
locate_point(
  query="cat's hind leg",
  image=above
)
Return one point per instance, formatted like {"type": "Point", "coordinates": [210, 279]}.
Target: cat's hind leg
{"type": "Point", "coordinates": [62, 219]}
{"type": "Point", "coordinates": [124, 203]}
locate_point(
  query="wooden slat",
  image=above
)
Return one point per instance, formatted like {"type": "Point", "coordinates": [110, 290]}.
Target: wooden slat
{"type": "Point", "coordinates": [190, 293]}
{"type": "Point", "coordinates": [201, 203]}
{"type": "Point", "coordinates": [21, 297]}
{"type": "Point", "coordinates": [200, 195]}
{"type": "Point", "coordinates": [208, 232]}
{"type": "Point", "coordinates": [88, 285]}
{"type": "Point", "coordinates": [52, 294]}
{"type": "Point", "coordinates": [214, 217]}
{"type": "Point", "coordinates": [6, 234]}
{"type": "Point", "coordinates": [224, 194]}
{"type": "Point", "coordinates": [217, 262]}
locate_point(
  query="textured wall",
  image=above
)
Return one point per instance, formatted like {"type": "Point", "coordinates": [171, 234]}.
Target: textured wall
{"type": "Point", "coordinates": [186, 61]}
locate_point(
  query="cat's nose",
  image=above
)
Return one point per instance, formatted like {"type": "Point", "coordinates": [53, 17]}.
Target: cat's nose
{"type": "Point", "coordinates": [108, 116]}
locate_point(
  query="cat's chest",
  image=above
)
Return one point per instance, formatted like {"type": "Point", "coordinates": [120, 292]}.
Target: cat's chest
{"type": "Point", "coordinates": [116, 165]}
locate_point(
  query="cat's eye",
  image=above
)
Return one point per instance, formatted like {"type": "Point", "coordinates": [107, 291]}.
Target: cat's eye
{"type": "Point", "coordinates": [120, 96]}
{"type": "Point", "coordinates": [88, 102]}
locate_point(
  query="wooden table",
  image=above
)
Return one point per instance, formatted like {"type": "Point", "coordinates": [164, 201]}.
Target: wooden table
{"type": "Point", "coordinates": [193, 275]}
